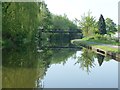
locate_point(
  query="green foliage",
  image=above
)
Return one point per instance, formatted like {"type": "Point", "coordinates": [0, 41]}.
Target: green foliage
{"type": "Point", "coordinates": [86, 59]}
{"type": "Point", "coordinates": [61, 56]}
{"type": "Point", "coordinates": [102, 25]}
{"type": "Point", "coordinates": [98, 37]}
{"type": "Point", "coordinates": [110, 26]}
{"type": "Point", "coordinates": [44, 16]}
{"type": "Point", "coordinates": [18, 21]}
{"type": "Point", "coordinates": [62, 23]}
{"type": "Point", "coordinates": [118, 28]}
{"type": "Point", "coordinates": [21, 20]}
{"type": "Point", "coordinates": [108, 38]}
{"type": "Point", "coordinates": [1, 42]}
{"type": "Point", "coordinates": [88, 25]}
{"type": "Point", "coordinates": [20, 63]}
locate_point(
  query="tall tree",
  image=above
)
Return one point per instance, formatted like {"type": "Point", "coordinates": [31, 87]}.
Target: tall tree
{"type": "Point", "coordinates": [88, 24]}
{"type": "Point", "coordinates": [110, 26]}
{"type": "Point", "coordinates": [102, 25]}
{"type": "Point", "coordinates": [21, 20]}
{"type": "Point", "coordinates": [45, 16]}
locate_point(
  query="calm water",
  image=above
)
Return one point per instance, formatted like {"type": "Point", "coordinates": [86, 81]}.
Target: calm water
{"type": "Point", "coordinates": [58, 68]}
{"type": "Point", "coordinates": [71, 75]}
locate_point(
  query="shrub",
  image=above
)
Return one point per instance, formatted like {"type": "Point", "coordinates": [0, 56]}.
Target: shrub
{"type": "Point", "coordinates": [106, 37]}
{"type": "Point", "coordinates": [98, 37]}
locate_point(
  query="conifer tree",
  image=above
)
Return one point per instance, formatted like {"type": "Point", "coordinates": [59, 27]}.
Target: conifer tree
{"type": "Point", "coordinates": [102, 25]}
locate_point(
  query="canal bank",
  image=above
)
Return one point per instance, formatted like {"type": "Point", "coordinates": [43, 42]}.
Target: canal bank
{"type": "Point", "coordinates": [100, 48]}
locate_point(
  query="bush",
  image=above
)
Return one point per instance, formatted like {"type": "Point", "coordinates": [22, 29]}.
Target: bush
{"type": "Point", "coordinates": [98, 37]}
{"type": "Point", "coordinates": [116, 39]}
{"type": "Point", "coordinates": [106, 37]}
{"type": "Point", "coordinates": [91, 37]}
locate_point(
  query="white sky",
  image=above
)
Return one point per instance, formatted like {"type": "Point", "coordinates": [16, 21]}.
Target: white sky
{"type": "Point", "coordinates": [76, 8]}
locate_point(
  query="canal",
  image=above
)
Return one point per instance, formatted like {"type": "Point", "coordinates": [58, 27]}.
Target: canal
{"type": "Point", "coordinates": [58, 68]}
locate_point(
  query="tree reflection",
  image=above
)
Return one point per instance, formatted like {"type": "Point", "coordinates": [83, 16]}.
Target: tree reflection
{"type": "Point", "coordinates": [100, 59]}
{"type": "Point", "coordinates": [26, 68]}
{"type": "Point", "coordinates": [23, 68]}
{"type": "Point", "coordinates": [86, 60]}
{"type": "Point", "coordinates": [61, 56]}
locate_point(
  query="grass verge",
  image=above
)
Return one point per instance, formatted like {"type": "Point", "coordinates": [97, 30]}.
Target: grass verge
{"type": "Point", "coordinates": [105, 45]}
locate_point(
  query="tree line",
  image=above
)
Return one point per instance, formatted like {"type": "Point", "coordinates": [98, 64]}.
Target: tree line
{"type": "Point", "coordinates": [21, 21]}
{"type": "Point", "coordinates": [90, 26]}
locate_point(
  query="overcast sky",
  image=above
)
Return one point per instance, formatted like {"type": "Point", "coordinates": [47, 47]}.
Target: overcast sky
{"type": "Point", "coordinates": [76, 8]}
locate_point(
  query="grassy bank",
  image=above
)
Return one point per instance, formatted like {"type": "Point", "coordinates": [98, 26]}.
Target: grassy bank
{"type": "Point", "coordinates": [106, 45]}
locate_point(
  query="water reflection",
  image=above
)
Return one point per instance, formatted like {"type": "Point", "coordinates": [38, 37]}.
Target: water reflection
{"type": "Point", "coordinates": [69, 75]}
{"type": "Point", "coordinates": [86, 60]}
{"type": "Point", "coordinates": [25, 69]}
{"type": "Point", "coordinates": [28, 69]}
{"type": "Point", "coordinates": [22, 69]}
{"type": "Point", "coordinates": [88, 57]}
{"type": "Point", "coordinates": [100, 59]}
